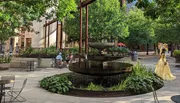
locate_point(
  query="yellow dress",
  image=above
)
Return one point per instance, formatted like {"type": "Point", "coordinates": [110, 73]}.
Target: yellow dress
{"type": "Point", "coordinates": [163, 69]}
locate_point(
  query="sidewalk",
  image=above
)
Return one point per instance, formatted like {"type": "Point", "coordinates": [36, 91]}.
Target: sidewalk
{"type": "Point", "coordinates": [34, 94]}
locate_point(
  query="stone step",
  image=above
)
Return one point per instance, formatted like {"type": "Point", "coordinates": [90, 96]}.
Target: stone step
{"type": "Point", "coordinates": [4, 66]}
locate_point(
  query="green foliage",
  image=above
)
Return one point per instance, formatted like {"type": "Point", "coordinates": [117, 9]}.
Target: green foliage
{"type": "Point", "coordinates": [45, 52]}
{"type": "Point", "coordinates": [27, 51]}
{"type": "Point", "coordinates": [93, 51]}
{"type": "Point", "coordinates": [94, 87]}
{"type": "Point", "coordinates": [106, 21]}
{"type": "Point", "coordinates": [51, 51]}
{"type": "Point", "coordinates": [168, 22]}
{"type": "Point", "coordinates": [140, 28]}
{"type": "Point", "coordinates": [5, 59]}
{"type": "Point", "coordinates": [120, 50]}
{"type": "Point", "coordinates": [35, 52]}
{"type": "Point", "coordinates": [74, 50]}
{"type": "Point", "coordinates": [64, 9]}
{"type": "Point", "coordinates": [120, 86]}
{"type": "Point", "coordinates": [56, 84]}
{"type": "Point", "coordinates": [176, 53]}
{"type": "Point", "coordinates": [141, 80]}
{"type": "Point", "coordinates": [17, 15]}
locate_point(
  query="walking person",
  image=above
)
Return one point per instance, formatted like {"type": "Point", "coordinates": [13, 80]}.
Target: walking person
{"type": "Point", "coordinates": [11, 50]}
{"type": "Point", "coordinates": [17, 49]}
{"type": "Point", "coordinates": [162, 67]}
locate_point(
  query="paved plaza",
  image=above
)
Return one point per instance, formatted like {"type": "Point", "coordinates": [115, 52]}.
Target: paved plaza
{"type": "Point", "coordinates": [34, 94]}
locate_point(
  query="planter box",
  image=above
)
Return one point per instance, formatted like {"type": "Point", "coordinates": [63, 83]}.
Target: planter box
{"type": "Point", "coordinates": [15, 62]}
{"type": "Point", "coordinates": [46, 62]}
{"type": "Point", "coordinates": [42, 62]}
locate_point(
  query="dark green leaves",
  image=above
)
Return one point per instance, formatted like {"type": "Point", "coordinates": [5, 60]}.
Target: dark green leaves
{"type": "Point", "coordinates": [56, 84]}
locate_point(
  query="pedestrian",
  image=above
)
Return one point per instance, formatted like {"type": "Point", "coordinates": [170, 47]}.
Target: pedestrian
{"type": "Point", "coordinates": [59, 60]}
{"type": "Point", "coordinates": [10, 49]}
{"type": "Point", "coordinates": [162, 67]}
{"type": "Point", "coordinates": [69, 59]}
{"type": "Point", "coordinates": [17, 49]}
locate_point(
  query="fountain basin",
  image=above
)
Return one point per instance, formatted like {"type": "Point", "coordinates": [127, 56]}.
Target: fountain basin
{"type": "Point", "coordinates": [101, 46]}
{"type": "Point", "coordinates": [97, 69]}
{"type": "Point", "coordinates": [103, 57]}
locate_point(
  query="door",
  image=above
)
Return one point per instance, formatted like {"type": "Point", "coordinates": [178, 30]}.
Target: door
{"type": "Point", "coordinates": [28, 42]}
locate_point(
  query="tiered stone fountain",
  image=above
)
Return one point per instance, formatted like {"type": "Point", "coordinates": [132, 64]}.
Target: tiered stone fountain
{"type": "Point", "coordinates": [101, 64]}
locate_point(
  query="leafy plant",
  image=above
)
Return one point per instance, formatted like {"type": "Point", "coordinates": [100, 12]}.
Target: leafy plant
{"type": "Point", "coordinates": [45, 52]}
{"type": "Point", "coordinates": [176, 53]}
{"type": "Point", "coordinates": [35, 52]}
{"type": "Point", "coordinates": [51, 51]}
{"type": "Point", "coordinates": [27, 51]}
{"type": "Point", "coordinates": [120, 86]}
{"type": "Point", "coordinates": [141, 80]}
{"type": "Point", "coordinates": [94, 87]}
{"type": "Point", "coordinates": [5, 59]}
{"type": "Point", "coordinates": [56, 84]}
{"type": "Point", "coordinates": [74, 50]}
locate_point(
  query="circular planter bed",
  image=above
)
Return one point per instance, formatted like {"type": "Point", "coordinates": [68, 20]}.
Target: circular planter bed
{"type": "Point", "coordinates": [78, 85]}
{"type": "Point", "coordinates": [88, 93]}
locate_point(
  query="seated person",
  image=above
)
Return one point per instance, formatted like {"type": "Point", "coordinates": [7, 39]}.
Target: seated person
{"type": "Point", "coordinates": [59, 59]}
{"type": "Point", "coordinates": [69, 58]}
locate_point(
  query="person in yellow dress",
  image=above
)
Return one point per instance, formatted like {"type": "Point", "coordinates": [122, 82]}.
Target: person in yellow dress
{"type": "Point", "coordinates": [162, 67]}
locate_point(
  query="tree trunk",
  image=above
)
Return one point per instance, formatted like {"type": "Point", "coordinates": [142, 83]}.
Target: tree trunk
{"type": "Point", "coordinates": [155, 49]}
{"type": "Point", "coordinates": [172, 49]}
{"type": "Point", "coordinates": [147, 49]}
{"type": "Point", "coordinates": [122, 2]}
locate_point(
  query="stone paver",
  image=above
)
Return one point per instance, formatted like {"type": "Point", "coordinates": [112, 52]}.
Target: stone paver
{"type": "Point", "coordinates": [34, 94]}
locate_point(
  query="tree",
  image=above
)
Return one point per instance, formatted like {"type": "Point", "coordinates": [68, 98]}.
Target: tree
{"type": "Point", "coordinates": [71, 27]}
{"type": "Point", "coordinates": [18, 14]}
{"type": "Point", "coordinates": [106, 21]}
{"type": "Point", "coordinates": [14, 15]}
{"type": "Point", "coordinates": [140, 28]}
{"type": "Point", "coordinates": [168, 23]}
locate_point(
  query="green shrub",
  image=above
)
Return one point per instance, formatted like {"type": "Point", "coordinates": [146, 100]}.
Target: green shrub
{"type": "Point", "coordinates": [45, 52]}
{"type": "Point", "coordinates": [8, 59]}
{"type": "Point", "coordinates": [119, 49]}
{"type": "Point", "coordinates": [74, 50]}
{"type": "Point", "coordinates": [94, 87]}
{"type": "Point", "coordinates": [120, 86]}
{"type": "Point", "coordinates": [5, 59]}
{"type": "Point", "coordinates": [51, 51]}
{"type": "Point", "coordinates": [93, 51]}
{"type": "Point", "coordinates": [56, 84]}
{"type": "Point", "coordinates": [27, 52]}
{"type": "Point", "coordinates": [141, 80]}
{"type": "Point", "coordinates": [35, 52]}
{"type": "Point", "coordinates": [176, 53]}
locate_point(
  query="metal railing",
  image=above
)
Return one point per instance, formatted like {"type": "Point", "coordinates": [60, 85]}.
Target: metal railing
{"type": "Point", "coordinates": [155, 95]}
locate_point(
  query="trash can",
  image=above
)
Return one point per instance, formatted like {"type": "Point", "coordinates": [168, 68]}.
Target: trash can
{"type": "Point", "coordinates": [134, 56]}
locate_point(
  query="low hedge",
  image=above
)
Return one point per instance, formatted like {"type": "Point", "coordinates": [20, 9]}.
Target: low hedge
{"type": "Point", "coordinates": [176, 53]}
